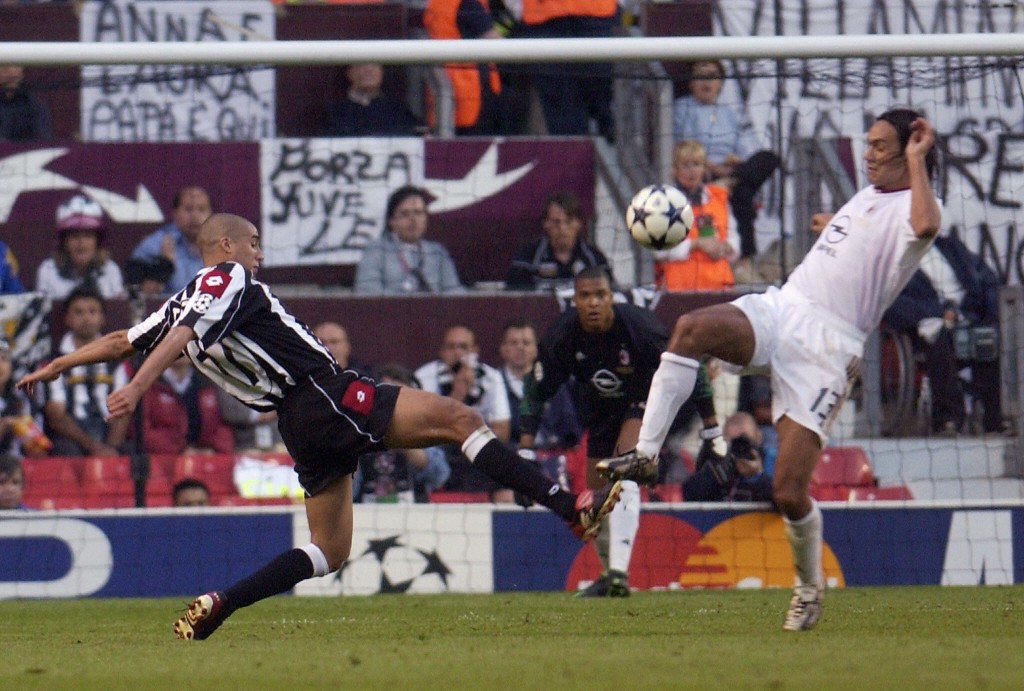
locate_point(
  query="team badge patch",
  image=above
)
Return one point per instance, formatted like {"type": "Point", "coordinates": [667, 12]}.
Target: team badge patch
{"type": "Point", "coordinates": [358, 397]}
{"type": "Point", "coordinates": [215, 283]}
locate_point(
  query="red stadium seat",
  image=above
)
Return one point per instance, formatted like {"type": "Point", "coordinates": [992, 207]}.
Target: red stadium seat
{"type": "Point", "coordinates": [843, 465]}
{"type": "Point", "coordinates": [52, 483]}
{"type": "Point", "coordinates": [107, 482]}
{"type": "Point", "coordinates": [215, 470]}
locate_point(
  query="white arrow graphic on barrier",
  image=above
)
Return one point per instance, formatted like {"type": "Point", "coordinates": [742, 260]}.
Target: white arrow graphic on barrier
{"type": "Point", "coordinates": [121, 209]}
{"type": "Point", "coordinates": [26, 172]}
{"type": "Point", "coordinates": [479, 183]}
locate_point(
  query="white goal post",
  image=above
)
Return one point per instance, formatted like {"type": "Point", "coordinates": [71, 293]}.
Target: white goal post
{"type": "Point", "coordinates": [512, 50]}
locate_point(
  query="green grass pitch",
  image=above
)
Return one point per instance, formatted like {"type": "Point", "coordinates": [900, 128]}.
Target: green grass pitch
{"type": "Point", "coordinates": [868, 638]}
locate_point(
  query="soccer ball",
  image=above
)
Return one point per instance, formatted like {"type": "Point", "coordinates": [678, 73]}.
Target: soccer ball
{"type": "Point", "coordinates": [659, 217]}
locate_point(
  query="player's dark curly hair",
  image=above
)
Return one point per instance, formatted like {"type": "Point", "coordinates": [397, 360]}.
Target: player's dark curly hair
{"type": "Point", "coordinates": [900, 119]}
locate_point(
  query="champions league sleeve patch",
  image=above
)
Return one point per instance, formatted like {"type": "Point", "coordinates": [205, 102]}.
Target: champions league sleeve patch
{"type": "Point", "coordinates": [358, 397]}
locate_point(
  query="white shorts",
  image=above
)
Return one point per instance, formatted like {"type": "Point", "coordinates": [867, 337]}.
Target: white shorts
{"type": "Point", "coordinates": [814, 356]}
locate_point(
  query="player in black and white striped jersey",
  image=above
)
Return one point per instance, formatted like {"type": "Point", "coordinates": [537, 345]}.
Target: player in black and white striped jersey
{"type": "Point", "coordinates": [237, 333]}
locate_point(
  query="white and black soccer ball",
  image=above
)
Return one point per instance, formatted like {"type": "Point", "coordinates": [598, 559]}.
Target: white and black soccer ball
{"type": "Point", "coordinates": [659, 217]}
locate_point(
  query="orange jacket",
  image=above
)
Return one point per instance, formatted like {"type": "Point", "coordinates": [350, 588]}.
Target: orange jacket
{"type": "Point", "coordinates": [699, 271]}
{"type": "Point", "coordinates": [439, 19]}
{"type": "Point", "coordinates": [540, 11]}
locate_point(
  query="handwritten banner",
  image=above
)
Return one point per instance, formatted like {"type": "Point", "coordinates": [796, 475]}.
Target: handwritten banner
{"type": "Point", "coordinates": [176, 103]}
{"type": "Point", "coordinates": [323, 200]}
{"type": "Point", "coordinates": [974, 103]}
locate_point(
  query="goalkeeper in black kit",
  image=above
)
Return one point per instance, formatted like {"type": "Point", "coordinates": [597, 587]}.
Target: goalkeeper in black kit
{"type": "Point", "coordinates": [611, 350]}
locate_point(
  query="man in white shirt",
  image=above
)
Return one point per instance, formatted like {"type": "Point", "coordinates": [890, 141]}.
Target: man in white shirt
{"type": "Point", "coordinates": [459, 374]}
{"type": "Point", "coordinates": [811, 332]}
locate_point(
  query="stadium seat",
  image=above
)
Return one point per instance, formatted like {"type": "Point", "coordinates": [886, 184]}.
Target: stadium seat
{"type": "Point", "coordinates": [843, 466]}
{"type": "Point", "coordinates": [52, 483]}
{"type": "Point", "coordinates": [107, 482]}
{"type": "Point", "coordinates": [215, 470]}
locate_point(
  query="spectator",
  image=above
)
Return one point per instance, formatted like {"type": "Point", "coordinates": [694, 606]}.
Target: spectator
{"type": "Point", "coordinates": [559, 426]}
{"type": "Point", "coordinates": [180, 414]}
{"type": "Point", "coordinates": [175, 243]}
{"type": "Point", "coordinates": [75, 409]}
{"type": "Point", "coordinates": [402, 475]}
{"type": "Point", "coordinates": [365, 110]}
{"type": "Point", "coordinates": [475, 87]}
{"type": "Point", "coordinates": [701, 261]}
{"type": "Point", "coordinates": [251, 430]}
{"type": "Point", "coordinates": [14, 408]}
{"type": "Point", "coordinates": [401, 261]}
{"type": "Point", "coordinates": [9, 281]}
{"type": "Point", "coordinates": [12, 483]}
{"type": "Point", "coordinates": [335, 338]}
{"type": "Point", "coordinates": [23, 117]}
{"type": "Point", "coordinates": [458, 374]}
{"type": "Point", "coordinates": [572, 95]}
{"type": "Point", "coordinates": [954, 297]}
{"type": "Point", "coordinates": [553, 260]}
{"type": "Point", "coordinates": [190, 492]}
{"type": "Point", "coordinates": [741, 475]}
{"type": "Point", "coordinates": [719, 129]}
{"type": "Point", "coordinates": [80, 259]}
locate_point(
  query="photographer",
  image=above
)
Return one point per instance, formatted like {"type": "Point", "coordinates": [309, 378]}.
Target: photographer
{"type": "Point", "coordinates": [740, 475]}
{"type": "Point", "coordinates": [950, 309]}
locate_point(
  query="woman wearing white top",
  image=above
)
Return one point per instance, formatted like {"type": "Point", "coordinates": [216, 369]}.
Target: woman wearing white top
{"type": "Point", "coordinates": [79, 256]}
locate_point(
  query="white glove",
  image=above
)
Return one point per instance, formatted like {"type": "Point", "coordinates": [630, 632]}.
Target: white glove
{"type": "Point", "coordinates": [929, 329]}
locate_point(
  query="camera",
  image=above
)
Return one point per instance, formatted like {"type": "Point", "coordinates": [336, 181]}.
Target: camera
{"type": "Point", "coordinates": [156, 269]}
{"type": "Point", "coordinates": [743, 447]}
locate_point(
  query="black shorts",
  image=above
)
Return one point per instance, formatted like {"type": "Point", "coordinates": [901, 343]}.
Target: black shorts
{"type": "Point", "coordinates": [329, 420]}
{"type": "Point", "coordinates": [603, 430]}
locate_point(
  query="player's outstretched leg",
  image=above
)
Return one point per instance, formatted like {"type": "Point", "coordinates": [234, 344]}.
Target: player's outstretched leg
{"type": "Point", "coordinates": [583, 512]}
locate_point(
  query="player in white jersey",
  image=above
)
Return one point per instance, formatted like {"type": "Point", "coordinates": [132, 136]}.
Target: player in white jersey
{"type": "Point", "coordinates": [811, 332]}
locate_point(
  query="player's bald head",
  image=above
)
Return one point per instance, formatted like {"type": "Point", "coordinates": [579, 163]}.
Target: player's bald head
{"type": "Point", "coordinates": [216, 228]}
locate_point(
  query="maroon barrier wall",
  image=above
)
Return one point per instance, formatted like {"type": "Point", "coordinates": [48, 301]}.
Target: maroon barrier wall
{"type": "Point", "coordinates": [408, 329]}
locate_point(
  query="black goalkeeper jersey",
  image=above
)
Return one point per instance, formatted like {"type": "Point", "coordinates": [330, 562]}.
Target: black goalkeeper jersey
{"type": "Point", "coordinates": [612, 370]}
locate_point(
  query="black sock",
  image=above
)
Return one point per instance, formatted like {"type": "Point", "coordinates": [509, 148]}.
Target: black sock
{"type": "Point", "coordinates": [279, 575]}
{"type": "Point", "coordinates": [505, 466]}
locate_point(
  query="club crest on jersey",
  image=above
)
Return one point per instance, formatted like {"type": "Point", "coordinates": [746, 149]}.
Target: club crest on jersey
{"type": "Point", "coordinates": [624, 357]}
{"type": "Point", "coordinates": [538, 371]}
{"type": "Point", "coordinates": [215, 282]}
{"type": "Point", "coordinates": [358, 397]}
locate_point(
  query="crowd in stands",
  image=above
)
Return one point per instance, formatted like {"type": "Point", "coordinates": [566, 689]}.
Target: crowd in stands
{"type": "Point", "coordinates": [949, 309]}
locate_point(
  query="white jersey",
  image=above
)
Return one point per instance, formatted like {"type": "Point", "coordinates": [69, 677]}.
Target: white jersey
{"type": "Point", "coordinates": [862, 259]}
{"type": "Point", "coordinates": [489, 397]}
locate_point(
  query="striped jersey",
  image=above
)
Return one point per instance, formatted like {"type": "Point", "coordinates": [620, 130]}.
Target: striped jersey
{"type": "Point", "coordinates": [245, 341]}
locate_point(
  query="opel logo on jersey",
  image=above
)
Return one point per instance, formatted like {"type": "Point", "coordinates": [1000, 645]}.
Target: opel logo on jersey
{"type": "Point", "coordinates": [606, 382]}
{"type": "Point", "coordinates": [836, 231]}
